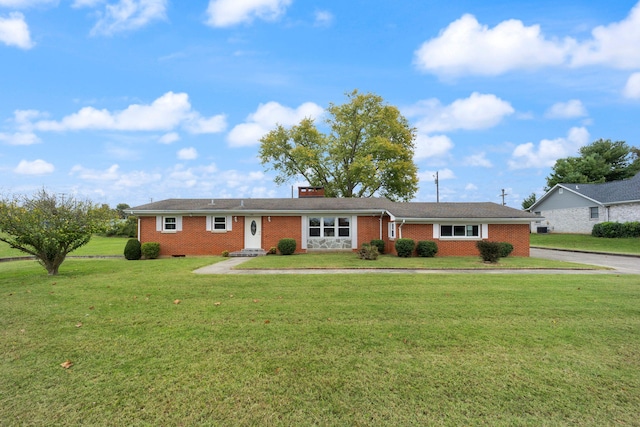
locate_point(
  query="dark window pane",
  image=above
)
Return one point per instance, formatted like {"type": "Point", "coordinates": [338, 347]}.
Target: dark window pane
{"type": "Point", "coordinates": [458, 230]}
{"type": "Point", "coordinates": [329, 232]}
{"type": "Point", "coordinates": [446, 230]}
{"type": "Point", "coordinates": [343, 232]}
{"type": "Point", "coordinates": [343, 222]}
{"type": "Point", "coordinates": [314, 222]}
{"type": "Point", "coordinates": [314, 232]}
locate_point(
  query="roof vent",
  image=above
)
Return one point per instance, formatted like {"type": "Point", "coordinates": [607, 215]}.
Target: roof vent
{"type": "Point", "coordinates": [577, 188]}
{"type": "Point", "coordinates": [213, 202]}
{"type": "Point", "coordinates": [242, 203]}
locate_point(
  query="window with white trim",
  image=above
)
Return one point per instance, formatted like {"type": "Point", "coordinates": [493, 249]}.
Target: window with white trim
{"type": "Point", "coordinates": [594, 213]}
{"type": "Point", "coordinates": [462, 231]}
{"type": "Point", "coordinates": [329, 226]}
{"type": "Point", "coordinates": [392, 230]}
{"type": "Point", "coordinates": [219, 223]}
{"type": "Point", "coordinates": [169, 223]}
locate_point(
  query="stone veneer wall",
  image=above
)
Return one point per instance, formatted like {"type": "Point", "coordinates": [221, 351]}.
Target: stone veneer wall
{"type": "Point", "coordinates": [333, 243]}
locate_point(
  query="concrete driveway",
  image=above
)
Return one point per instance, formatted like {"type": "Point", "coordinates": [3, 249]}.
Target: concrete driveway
{"type": "Point", "coordinates": [620, 264]}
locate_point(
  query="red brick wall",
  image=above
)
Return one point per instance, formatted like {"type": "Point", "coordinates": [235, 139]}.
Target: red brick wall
{"type": "Point", "coordinates": [281, 227]}
{"type": "Point", "coordinates": [516, 234]}
{"type": "Point", "coordinates": [195, 240]}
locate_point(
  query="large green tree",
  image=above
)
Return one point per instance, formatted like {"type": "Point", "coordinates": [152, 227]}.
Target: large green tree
{"type": "Point", "coordinates": [48, 226]}
{"type": "Point", "coordinates": [368, 151]}
{"type": "Point", "coordinates": [601, 161]}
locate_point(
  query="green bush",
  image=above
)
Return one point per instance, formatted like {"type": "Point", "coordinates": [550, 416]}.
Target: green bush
{"type": "Point", "coordinates": [404, 247]}
{"type": "Point", "coordinates": [133, 249]}
{"type": "Point", "coordinates": [150, 250]}
{"type": "Point", "coordinates": [631, 229]}
{"type": "Point", "coordinates": [505, 249]}
{"type": "Point", "coordinates": [489, 251]}
{"type": "Point", "coordinates": [225, 254]}
{"type": "Point", "coordinates": [287, 246]}
{"type": "Point", "coordinates": [607, 229]}
{"type": "Point", "coordinates": [427, 248]}
{"type": "Point", "coordinates": [368, 251]}
{"type": "Point", "coordinates": [272, 251]}
{"type": "Point", "coordinates": [378, 244]}
{"type": "Point", "coordinates": [613, 230]}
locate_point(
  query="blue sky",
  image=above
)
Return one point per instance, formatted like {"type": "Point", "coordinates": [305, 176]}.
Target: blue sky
{"type": "Point", "coordinates": [127, 101]}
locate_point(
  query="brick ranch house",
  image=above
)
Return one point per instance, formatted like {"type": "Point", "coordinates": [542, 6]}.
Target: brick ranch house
{"type": "Point", "coordinates": [208, 227]}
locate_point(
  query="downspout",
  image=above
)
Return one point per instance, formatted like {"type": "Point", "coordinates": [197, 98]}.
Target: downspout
{"type": "Point", "coordinates": [400, 229]}
{"type": "Point", "coordinates": [138, 228]}
{"type": "Point", "coordinates": [381, 215]}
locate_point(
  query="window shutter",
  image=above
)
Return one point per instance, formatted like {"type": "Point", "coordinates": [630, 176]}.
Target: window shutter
{"type": "Point", "coordinates": [209, 220]}
{"type": "Point", "coordinates": [354, 232]}
{"type": "Point", "coordinates": [485, 231]}
{"type": "Point", "coordinates": [229, 222]}
{"type": "Point", "coordinates": [158, 223]}
{"type": "Point", "coordinates": [436, 231]}
{"type": "Point", "coordinates": [178, 223]}
{"type": "Point", "coordinates": [304, 220]}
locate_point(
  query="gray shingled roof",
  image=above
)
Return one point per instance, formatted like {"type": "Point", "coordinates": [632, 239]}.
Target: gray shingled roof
{"type": "Point", "coordinates": [613, 192]}
{"type": "Point", "coordinates": [400, 210]}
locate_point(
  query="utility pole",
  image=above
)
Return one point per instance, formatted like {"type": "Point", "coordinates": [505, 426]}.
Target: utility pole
{"type": "Point", "coordinates": [502, 195]}
{"type": "Point", "coordinates": [437, 188]}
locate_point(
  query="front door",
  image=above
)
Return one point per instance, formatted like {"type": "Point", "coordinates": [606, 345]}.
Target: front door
{"type": "Point", "coordinates": [253, 232]}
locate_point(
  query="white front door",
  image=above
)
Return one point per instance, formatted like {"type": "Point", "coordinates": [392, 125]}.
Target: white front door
{"type": "Point", "coordinates": [253, 232]}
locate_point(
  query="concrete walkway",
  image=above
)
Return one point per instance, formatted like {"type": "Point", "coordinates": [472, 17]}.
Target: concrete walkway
{"type": "Point", "coordinates": [618, 265]}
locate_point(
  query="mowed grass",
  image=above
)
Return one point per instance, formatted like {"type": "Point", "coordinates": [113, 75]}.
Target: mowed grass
{"type": "Point", "coordinates": [366, 349]}
{"type": "Point", "coordinates": [350, 260]}
{"type": "Point", "coordinates": [586, 242]}
{"type": "Point", "coordinates": [98, 245]}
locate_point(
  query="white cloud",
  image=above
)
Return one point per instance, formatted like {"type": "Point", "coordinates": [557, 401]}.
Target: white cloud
{"type": "Point", "coordinates": [632, 88]}
{"type": "Point", "coordinates": [114, 178]}
{"type": "Point", "coordinates": [110, 174]}
{"type": "Point", "coordinates": [567, 110]}
{"type": "Point", "coordinates": [431, 146]}
{"type": "Point", "coordinates": [471, 187]}
{"type": "Point", "coordinates": [614, 45]}
{"type": "Point", "coordinates": [548, 151]}
{"type": "Point", "coordinates": [20, 138]}
{"type": "Point", "coordinates": [14, 31]}
{"type": "Point", "coordinates": [266, 117]}
{"type": "Point", "coordinates": [169, 138]}
{"type": "Point", "coordinates": [226, 13]}
{"type": "Point", "coordinates": [479, 159]}
{"type": "Point", "coordinates": [24, 4]}
{"type": "Point", "coordinates": [478, 111]}
{"type": "Point", "coordinates": [213, 124]}
{"type": "Point", "coordinates": [36, 167]}
{"type": "Point", "coordinates": [164, 114]}
{"type": "Point", "coordinates": [86, 3]}
{"type": "Point", "coordinates": [126, 15]}
{"type": "Point", "coordinates": [467, 47]}
{"type": "Point", "coordinates": [323, 18]}
{"type": "Point", "coordinates": [188, 154]}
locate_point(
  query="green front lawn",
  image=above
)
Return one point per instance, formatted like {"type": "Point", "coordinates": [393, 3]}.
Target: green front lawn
{"type": "Point", "coordinates": [586, 243]}
{"type": "Point", "coordinates": [98, 245]}
{"type": "Point", "coordinates": [154, 344]}
{"type": "Point", "coordinates": [332, 260]}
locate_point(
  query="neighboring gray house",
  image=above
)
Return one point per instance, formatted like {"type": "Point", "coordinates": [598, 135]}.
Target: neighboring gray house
{"type": "Point", "coordinates": [575, 208]}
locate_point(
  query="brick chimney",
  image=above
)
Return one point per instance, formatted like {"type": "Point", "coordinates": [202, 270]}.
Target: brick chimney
{"type": "Point", "coordinates": [310, 192]}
